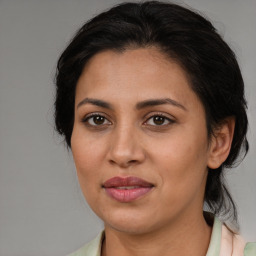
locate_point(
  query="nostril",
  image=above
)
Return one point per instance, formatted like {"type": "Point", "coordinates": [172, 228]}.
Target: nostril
{"type": "Point", "coordinates": [132, 161]}
{"type": "Point", "coordinates": [123, 163]}
{"type": "Point", "coordinates": [112, 161]}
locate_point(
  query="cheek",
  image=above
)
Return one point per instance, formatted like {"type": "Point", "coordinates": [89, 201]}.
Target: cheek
{"type": "Point", "coordinates": [180, 151]}
{"type": "Point", "coordinates": [86, 149]}
{"type": "Point", "coordinates": [182, 163]}
{"type": "Point", "coordinates": [87, 154]}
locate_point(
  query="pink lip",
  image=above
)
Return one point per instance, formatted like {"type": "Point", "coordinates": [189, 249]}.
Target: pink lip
{"type": "Point", "coordinates": [113, 188]}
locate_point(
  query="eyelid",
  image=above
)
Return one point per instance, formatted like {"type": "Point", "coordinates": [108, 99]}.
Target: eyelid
{"type": "Point", "coordinates": [166, 116]}
{"type": "Point", "coordinates": [148, 117]}
{"type": "Point", "coordinates": [90, 115]}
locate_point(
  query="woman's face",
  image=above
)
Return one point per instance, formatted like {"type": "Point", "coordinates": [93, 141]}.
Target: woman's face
{"type": "Point", "coordinates": [139, 141]}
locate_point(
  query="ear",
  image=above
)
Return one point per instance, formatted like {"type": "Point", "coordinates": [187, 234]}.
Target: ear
{"type": "Point", "coordinates": [221, 143]}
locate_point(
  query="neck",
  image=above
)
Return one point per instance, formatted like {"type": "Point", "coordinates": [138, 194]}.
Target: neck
{"type": "Point", "coordinates": [189, 235]}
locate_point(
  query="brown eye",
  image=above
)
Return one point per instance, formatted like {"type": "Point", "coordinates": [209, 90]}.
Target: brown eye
{"type": "Point", "coordinates": [159, 120]}
{"type": "Point", "coordinates": [96, 120]}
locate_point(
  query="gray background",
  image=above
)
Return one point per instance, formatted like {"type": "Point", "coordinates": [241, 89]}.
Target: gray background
{"type": "Point", "coordinates": [42, 211]}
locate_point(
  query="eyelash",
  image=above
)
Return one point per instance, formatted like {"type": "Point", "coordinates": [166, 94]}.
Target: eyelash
{"type": "Point", "coordinates": [90, 116]}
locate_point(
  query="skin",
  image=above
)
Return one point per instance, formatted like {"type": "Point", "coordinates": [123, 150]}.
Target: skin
{"type": "Point", "coordinates": [173, 155]}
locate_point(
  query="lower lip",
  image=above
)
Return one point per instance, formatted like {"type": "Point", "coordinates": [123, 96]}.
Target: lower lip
{"type": "Point", "coordinates": [127, 195]}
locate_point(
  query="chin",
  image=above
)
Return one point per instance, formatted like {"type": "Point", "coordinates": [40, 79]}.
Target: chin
{"type": "Point", "coordinates": [129, 228]}
{"type": "Point", "coordinates": [131, 223]}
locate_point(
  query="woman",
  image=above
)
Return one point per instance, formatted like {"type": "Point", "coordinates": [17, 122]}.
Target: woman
{"type": "Point", "coordinates": [151, 102]}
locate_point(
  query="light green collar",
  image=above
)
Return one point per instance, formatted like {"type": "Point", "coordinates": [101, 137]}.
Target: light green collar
{"type": "Point", "coordinates": [214, 246]}
{"type": "Point", "coordinates": [93, 248]}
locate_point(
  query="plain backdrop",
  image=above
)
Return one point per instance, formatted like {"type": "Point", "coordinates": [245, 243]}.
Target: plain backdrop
{"type": "Point", "coordinates": [42, 211]}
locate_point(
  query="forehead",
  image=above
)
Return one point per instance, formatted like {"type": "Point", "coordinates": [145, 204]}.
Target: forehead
{"type": "Point", "coordinates": [151, 59]}
{"type": "Point", "coordinates": [144, 72]}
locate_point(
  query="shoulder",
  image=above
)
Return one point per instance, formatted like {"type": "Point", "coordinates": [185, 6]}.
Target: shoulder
{"type": "Point", "coordinates": [93, 248]}
{"type": "Point", "coordinates": [236, 244]}
{"type": "Point", "coordinates": [225, 242]}
{"type": "Point", "coordinates": [250, 249]}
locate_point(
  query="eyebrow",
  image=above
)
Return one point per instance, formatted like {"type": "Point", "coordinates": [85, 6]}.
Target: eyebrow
{"type": "Point", "coordinates": [139, 105]}
{"type": "Point", "coordinates": [156, 102]}
{"type": "Point", "coordinates": [95, 102]}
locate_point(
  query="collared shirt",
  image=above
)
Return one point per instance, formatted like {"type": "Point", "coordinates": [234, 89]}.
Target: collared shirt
{"type": "Point", "coordinates": [223, 243]}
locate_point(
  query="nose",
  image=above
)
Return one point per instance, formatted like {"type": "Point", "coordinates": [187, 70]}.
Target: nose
{"type": "Point", "coordinates": [125, 148]}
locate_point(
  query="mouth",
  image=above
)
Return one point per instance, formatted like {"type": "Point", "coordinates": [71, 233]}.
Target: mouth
{"type": "Point", "coordinates": [127, 189]}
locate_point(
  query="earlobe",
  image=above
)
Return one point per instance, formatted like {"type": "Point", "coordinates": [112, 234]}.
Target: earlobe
{"type": "Point", "coordinates": [221, 143]}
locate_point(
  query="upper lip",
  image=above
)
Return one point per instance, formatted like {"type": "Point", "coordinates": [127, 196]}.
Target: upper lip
{"type": "Point", "coordinates": [126, 182]}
